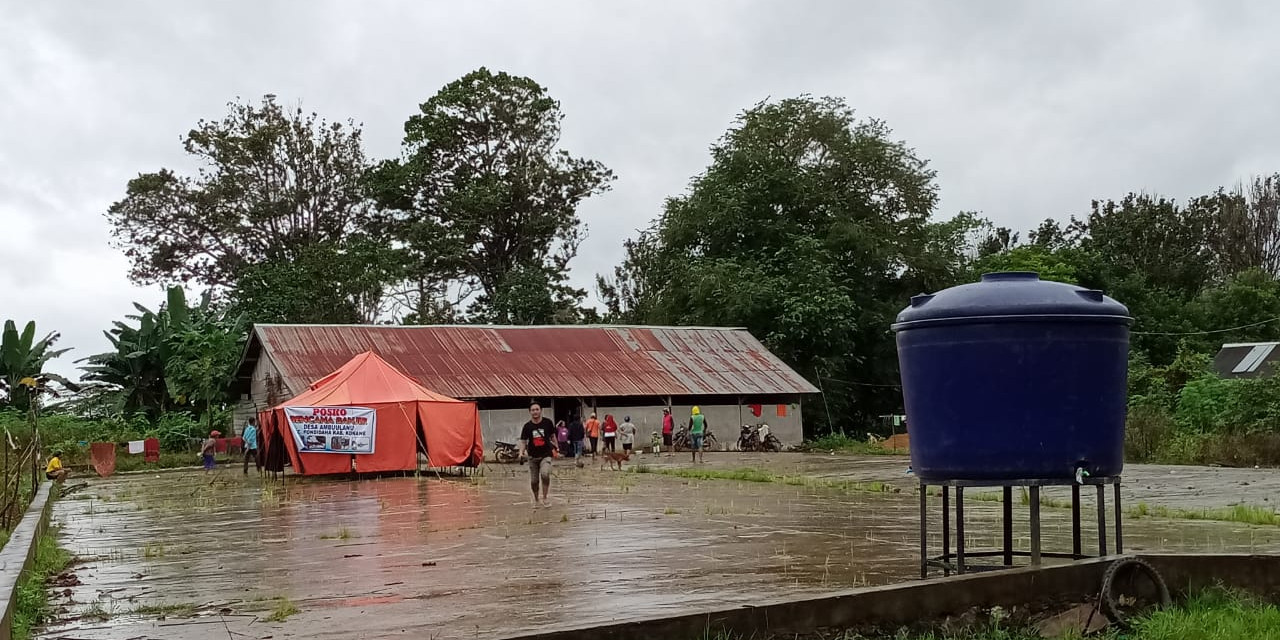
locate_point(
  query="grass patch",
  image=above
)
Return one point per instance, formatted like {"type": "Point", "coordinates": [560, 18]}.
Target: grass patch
{"type": "Point", "coordinates": [180, 610]}
{"type": "Point", "coordinates": [1241, 513]}
{"type": "Point", "coordinates": [844, 443]}
{"type": "Point", "coordinates": [756, 475]}
{"type": "Point", "coordinates": [31, 608]}
{"type": "Point", "coordinates": [283, 609]}
{"type": "Point", "coordinates": [342, 534]}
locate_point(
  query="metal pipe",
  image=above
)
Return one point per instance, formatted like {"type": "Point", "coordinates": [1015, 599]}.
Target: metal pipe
{"type": "Point", "coordinates": [960, 530]}
{"type": "Point", "coordinates": [1008, 526]}
{"type": "Point", "coordinates": [1035, 526]}
{"type": "Point", "coordinates": [1102, 520]}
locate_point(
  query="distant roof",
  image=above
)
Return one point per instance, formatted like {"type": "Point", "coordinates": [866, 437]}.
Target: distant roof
{"type": "Point", "coordinates": [484, 361]}
{"type": "Point", "coordinates": [1247, 359]}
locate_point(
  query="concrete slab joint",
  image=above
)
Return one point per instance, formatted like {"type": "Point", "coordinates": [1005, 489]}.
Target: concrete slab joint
{"type": "Point", "coordinates": [18, 553]}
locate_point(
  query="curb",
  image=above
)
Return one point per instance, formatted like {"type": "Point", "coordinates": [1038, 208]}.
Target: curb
{"type": "Point", "coordinates": [17, 554]}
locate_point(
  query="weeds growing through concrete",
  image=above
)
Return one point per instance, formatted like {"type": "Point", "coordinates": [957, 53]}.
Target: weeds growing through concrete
{"type": "Point", "coordinates": [32, 608]}
{"type": "Point", "coordinates": [341, 534]}
{"type": "Point", "coordinates": [283, 610]}
{"type": "Point", "coordinates": [1241, 513]}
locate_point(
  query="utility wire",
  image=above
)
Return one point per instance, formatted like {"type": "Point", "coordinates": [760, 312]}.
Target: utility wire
{"type": "Point", "coordinates": [862, 384]}
{"type": "Point", "coordinates": [1202, 333]}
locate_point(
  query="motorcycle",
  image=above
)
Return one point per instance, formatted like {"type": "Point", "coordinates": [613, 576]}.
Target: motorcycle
{"type": "Point", "coordinates": [506, 452]}
{"type": "Point", "coordinates": [682, 441]}
{"type": "Point", "coordinates": [758, 438]}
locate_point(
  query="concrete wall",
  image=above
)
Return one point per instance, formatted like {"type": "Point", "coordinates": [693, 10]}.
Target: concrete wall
{"type": "Point", "coordinates": [916, 604]}
{"type": "Point", "coordinates": [19, 551]}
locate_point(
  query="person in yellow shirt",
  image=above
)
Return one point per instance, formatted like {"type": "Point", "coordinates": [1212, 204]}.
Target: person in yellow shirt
{"type": "Point", "coordinates": [54, 470]}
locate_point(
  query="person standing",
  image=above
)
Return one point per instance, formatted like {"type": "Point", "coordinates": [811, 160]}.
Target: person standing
{"type": "Point", "coordinates": [576, 435]}
{"type": "Point", "coordinates": [668, 428]}
{"type": "Point", "coordinates": [562, 438]}
{"type": "Point", "coordinates": [697, 427]}
{"type": "Point", "coordinates": [250, 437]}
{"type": "Point", "coordinates": [610, 433]}
{"type": "Point", "coordinates": [593, 433]}
{"type": "Point", "coordinates": [208, 448]}
{"type": "Point", "coordinates": [627, 434]}
{"type": "Point", "coordinates": [538, 443]}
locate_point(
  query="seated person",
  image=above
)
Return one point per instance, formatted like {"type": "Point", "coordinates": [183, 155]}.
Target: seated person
{"type": "Point", "coordinates": [54, 470]}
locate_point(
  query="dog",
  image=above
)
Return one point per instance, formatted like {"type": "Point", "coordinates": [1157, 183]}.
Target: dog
{"type": "Point", "coordinates": [614, 458]}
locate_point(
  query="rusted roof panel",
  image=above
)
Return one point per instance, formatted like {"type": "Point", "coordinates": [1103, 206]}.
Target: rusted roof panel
{"type": "Point", "coordinates": [487, 361]}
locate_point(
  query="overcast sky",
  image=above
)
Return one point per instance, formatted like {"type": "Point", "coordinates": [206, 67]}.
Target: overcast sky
{"type": "Point", "coordinates": [1025, 109]}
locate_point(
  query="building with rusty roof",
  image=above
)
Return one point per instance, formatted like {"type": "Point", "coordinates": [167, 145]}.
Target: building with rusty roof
{"type": "Point", "coordinates": [620, 370]}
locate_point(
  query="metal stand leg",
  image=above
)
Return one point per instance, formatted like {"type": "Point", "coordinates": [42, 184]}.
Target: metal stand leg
{"type": "Point", "coordinates": [1119, 527]}
{"type": "Point", "coordinates": [924, 531]}
{"type": "Point", "coordinates": [1008, 526]}
{"type": "Point", "coordinates": [960, 530]}
{"type": "Point", "coordinates": [1102, 521]}
{"type": "Point", "coordinates": [1035, 526]}
{"type": "Point", "coordinates": [1076, 548]}
{"type": "Point", "coordinates": [946, 530]}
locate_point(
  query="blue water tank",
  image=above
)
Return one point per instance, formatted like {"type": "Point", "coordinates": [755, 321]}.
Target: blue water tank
{"type": "Point", "coordinates": [1014, 378]}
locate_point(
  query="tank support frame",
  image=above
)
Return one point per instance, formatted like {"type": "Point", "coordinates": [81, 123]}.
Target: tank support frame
{"type": "Point", "coordinates": [955, 561]}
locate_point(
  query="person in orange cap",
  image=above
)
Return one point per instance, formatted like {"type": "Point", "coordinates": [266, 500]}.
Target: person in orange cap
{"type": "Point", "coordinates": [206, 451]}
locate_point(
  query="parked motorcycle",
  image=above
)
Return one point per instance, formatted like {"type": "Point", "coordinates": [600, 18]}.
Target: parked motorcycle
{"type": "Point", "coordinates": [506, 452]}
{"type": "Point", "coordinates": [682, 441]}
{"type": "Point", "coordinates": [758, 438]}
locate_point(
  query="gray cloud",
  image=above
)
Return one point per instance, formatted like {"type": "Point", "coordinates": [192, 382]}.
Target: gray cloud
{"type": "Point", "coordinates": [1027, 110]}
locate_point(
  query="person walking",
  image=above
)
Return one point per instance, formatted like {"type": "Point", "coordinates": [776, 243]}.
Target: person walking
{"type": "Point", "coordinates": [627, 434]}
{"type": "Point", "coordinates": [576, 435]}
{"type": "Point", "coordinates": [610, 433]}
{"type": "Point", "coordinates": [668, 428]}
{"type": "Point", "coordinates": [697, 427]}
{"type": "Point", "coordinates": [208, 448]}
{"type": "Point", "coordinates": [562, 438]}
{"type": "Point", "coordinates": [593, 433]}
{"type": "Point", "coordinates": [250, 437]}
{"type": "Point", "coordinates": [538, 444]}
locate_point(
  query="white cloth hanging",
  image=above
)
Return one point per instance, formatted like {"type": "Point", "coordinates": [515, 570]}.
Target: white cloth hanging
{"type": "Point", "coordinates": [136, 446]}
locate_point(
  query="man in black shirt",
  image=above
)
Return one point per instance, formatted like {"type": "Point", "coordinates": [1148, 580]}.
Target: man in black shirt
{"type": "Point", "coordinates": [577, 433]}
{"type": "Point", "coordinates": [538, 441]}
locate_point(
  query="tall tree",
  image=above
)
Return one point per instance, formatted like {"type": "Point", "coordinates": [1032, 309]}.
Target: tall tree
{"type": "Point", "coordinates": [484, 194]}
{"type": "Point", "coordinates": [810, 228]}
{"type": "Point", "coordinates": [274, 184]}
{"type": "Point", "coordinates": [1246, 225]}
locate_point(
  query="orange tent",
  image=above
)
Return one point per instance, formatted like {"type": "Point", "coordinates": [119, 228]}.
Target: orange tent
{"type": "Point", "coordinates": [409, 418]}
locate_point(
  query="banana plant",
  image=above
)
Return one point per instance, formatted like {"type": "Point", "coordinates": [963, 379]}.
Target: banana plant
{"type": "Point", "coordinates": [22, 361]}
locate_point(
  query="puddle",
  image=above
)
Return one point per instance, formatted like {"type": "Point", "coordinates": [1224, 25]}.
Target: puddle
{"type": "Point", "coordinates": [469, 558]}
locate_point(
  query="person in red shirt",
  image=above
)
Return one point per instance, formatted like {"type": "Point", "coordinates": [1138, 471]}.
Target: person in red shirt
{"type": "Point", "coordinates": [610, 430]}
{"type": "Point", "coordinates": [668, 428]}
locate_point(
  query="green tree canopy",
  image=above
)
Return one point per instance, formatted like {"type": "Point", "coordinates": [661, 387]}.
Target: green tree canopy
{"type": "Point", "coordinates": [274, 185]}
{"type": "Point", "coordinates": [484, 194]}
{"type": "Point", "coordinates": [811, 228]}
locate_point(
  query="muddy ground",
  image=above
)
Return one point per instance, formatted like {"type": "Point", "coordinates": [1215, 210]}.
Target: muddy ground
{"type": "Point", "coordinates": [470, 558]}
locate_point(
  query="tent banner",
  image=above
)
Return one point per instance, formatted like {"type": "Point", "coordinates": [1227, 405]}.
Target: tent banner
{"type": "Point", "coordinates": [345, 430]}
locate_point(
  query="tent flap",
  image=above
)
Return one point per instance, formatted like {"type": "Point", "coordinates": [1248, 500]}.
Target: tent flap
{"type": "Point", "coordinates": [450, 428]}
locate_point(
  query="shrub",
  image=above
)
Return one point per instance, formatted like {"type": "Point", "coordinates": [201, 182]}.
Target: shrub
{"type": "Point", "coordinates": [1149, 427]}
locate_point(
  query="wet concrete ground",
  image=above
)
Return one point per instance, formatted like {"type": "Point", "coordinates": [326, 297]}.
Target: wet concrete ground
{"type": "Point", "coordinates": [469, 558]}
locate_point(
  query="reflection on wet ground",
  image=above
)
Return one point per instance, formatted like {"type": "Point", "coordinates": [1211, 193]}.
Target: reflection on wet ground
{"type": "Point", "coordinates": [469, 557]}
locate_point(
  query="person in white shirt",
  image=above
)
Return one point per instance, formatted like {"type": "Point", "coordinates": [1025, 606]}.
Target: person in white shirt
{"type": "Point", "coordinates": [627, 434]}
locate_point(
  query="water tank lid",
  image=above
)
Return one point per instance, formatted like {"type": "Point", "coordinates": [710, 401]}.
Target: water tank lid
{"type": "Point", "coordinates": [1011, 295]}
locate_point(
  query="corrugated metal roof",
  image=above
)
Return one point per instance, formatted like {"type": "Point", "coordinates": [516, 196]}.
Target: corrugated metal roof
{"type": "Point", "coordinates": [1246, 360]}
{"type": "Point", "coordinates": [470, 361]}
